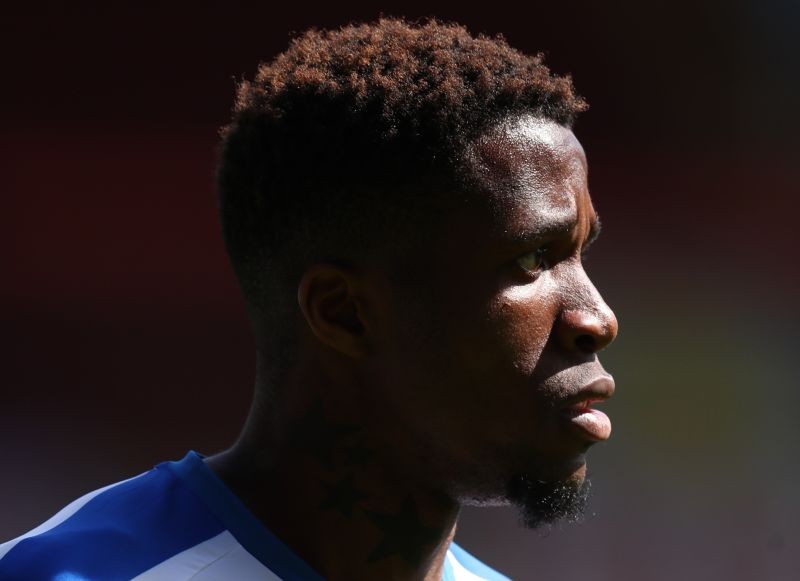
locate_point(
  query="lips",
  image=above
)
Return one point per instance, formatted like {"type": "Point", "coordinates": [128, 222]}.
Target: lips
{"type": "Point", "coordinates": [579, 414]}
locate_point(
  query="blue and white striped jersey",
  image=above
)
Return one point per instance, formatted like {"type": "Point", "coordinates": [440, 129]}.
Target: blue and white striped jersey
{"type": "Point", "coordinates": [176, 522]}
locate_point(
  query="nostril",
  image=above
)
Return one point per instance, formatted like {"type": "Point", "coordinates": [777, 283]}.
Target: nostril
{"type": "Point", "coordinates": [586, 343]}
{"type": "Point", "coordinates": [582, 330]}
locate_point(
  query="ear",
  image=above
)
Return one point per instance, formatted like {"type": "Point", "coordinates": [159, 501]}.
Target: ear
{"type": "Point", "coordinates": [331, 301]}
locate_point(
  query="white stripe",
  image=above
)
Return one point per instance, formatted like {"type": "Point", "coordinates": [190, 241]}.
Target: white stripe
{"type": "Point", "coordinates": [461, 573]}
{"type": "Point", "coordinates": [220, 558]}
{"type": "Point", "coordinates": [60, 516]}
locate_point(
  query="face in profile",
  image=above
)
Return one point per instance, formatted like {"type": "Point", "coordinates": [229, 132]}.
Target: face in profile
{"type": "Point", "coordinates": [493, 368]}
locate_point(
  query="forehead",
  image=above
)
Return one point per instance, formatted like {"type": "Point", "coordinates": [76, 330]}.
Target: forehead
{"type": "Point", "coordinates": [530, 170]}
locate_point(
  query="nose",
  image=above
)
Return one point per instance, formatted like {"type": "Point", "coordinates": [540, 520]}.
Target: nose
{"type": "Point", "coordinates": [588, 327]}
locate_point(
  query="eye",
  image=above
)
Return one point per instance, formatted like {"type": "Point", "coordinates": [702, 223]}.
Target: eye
{"type": "Point", "coordinates": [533, 261]}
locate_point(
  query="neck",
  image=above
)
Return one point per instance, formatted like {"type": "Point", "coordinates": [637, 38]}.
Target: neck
{"type": "Point", "coordinates": [321, 478]}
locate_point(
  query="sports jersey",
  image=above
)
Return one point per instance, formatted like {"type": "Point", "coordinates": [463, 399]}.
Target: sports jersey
{"type": "Point", "coordinates": [175, 522]}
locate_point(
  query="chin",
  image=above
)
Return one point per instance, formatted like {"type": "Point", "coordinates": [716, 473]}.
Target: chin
{"type": "Point", "coordinates": [579, 476]}
{"type": "Point", "coordinates": [514, 486]}
{"type": "Point", "coordinates": [571, 469]}
{"type": "Point", "coordinates": [557, 495]}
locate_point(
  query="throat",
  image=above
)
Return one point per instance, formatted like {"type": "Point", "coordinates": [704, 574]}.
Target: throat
{"type": "Point", "coordinates": [324, 489]}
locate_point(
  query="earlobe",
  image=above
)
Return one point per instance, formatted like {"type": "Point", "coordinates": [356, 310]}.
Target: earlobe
{"type": "Point", "coordinates": [327, 298]}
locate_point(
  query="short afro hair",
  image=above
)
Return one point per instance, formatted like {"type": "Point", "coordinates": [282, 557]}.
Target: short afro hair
{"type": "Point", "coordinates": [336, 139]}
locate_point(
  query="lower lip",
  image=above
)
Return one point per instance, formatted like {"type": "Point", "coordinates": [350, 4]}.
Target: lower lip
{"type": "Point", "coordinates": [594, 424]}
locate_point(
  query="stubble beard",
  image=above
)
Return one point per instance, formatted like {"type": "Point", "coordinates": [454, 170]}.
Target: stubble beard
{"type": "Point", "coordinates": [543, 503]}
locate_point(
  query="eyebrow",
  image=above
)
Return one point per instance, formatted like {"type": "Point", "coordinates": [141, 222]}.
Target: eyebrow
{"type": "Point", "coordinates": [594, 231]}
{"type": "Point", "coordinates": [557, 227]}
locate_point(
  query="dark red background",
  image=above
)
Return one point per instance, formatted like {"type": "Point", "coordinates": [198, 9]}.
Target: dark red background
{"type": "Point", "coordinates": [124, 340]}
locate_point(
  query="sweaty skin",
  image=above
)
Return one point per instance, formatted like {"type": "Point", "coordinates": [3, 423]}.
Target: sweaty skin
{"type": "Point", "coordinates": [407, 401]}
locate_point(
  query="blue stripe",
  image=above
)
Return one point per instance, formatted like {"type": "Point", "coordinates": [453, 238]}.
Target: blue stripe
{"type": "Point", "coordinates": [117, 535]}
{"type": "Point", "coordinates": [475, 566]}
{"type": "Point", "coordinates": [242, 524]}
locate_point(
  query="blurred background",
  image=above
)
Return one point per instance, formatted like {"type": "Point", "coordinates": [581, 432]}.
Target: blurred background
{"type": "Point", "coordinates": [124, 340]}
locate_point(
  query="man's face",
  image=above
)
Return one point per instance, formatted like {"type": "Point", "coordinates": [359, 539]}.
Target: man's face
{"type": "Point", "coordinates": [488, 362]}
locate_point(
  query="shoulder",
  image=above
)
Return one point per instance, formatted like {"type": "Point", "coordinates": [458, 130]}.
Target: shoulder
{"type": "Point", "coordinates": [465, 567]}
{"type": "Point", "coordinates": [115, 532]}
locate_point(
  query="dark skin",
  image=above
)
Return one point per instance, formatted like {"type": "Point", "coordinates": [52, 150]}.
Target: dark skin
{"type": "Point", "coordinates": [404, 407]}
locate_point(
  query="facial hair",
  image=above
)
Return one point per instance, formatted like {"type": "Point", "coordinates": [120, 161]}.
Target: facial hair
{"type": "Point", "coordinates": [543, 503]}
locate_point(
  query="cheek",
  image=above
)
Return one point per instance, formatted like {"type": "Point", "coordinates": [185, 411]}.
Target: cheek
{"type": "Point", "coordinates": [480, 351]}
{"type": "Point", "coordinates": [523, 320]}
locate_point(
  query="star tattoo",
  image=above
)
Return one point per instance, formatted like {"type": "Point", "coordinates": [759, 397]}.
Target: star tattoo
{"type": "Point", "coordinates": [342, 496]}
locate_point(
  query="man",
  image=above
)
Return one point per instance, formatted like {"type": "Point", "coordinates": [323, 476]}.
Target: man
{"type": "Point", "coordinates": [406, 209]}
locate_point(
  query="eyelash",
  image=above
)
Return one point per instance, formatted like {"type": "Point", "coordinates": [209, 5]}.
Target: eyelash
{"type": "Point", "coordinates": [543, 264]}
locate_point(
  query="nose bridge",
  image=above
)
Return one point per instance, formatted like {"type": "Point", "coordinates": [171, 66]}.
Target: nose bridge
{"type": "Point", "coordinates": [585, 322]}
{"type": "Point", "coordinates": [592, 298]}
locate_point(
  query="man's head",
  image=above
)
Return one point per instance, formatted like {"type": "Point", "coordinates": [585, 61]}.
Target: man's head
{"type": "Point", "coordinates": [410, 203]}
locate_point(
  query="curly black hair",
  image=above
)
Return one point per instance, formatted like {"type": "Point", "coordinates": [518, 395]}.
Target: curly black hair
{"type": "Point", "coordinates": [337, 142]}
